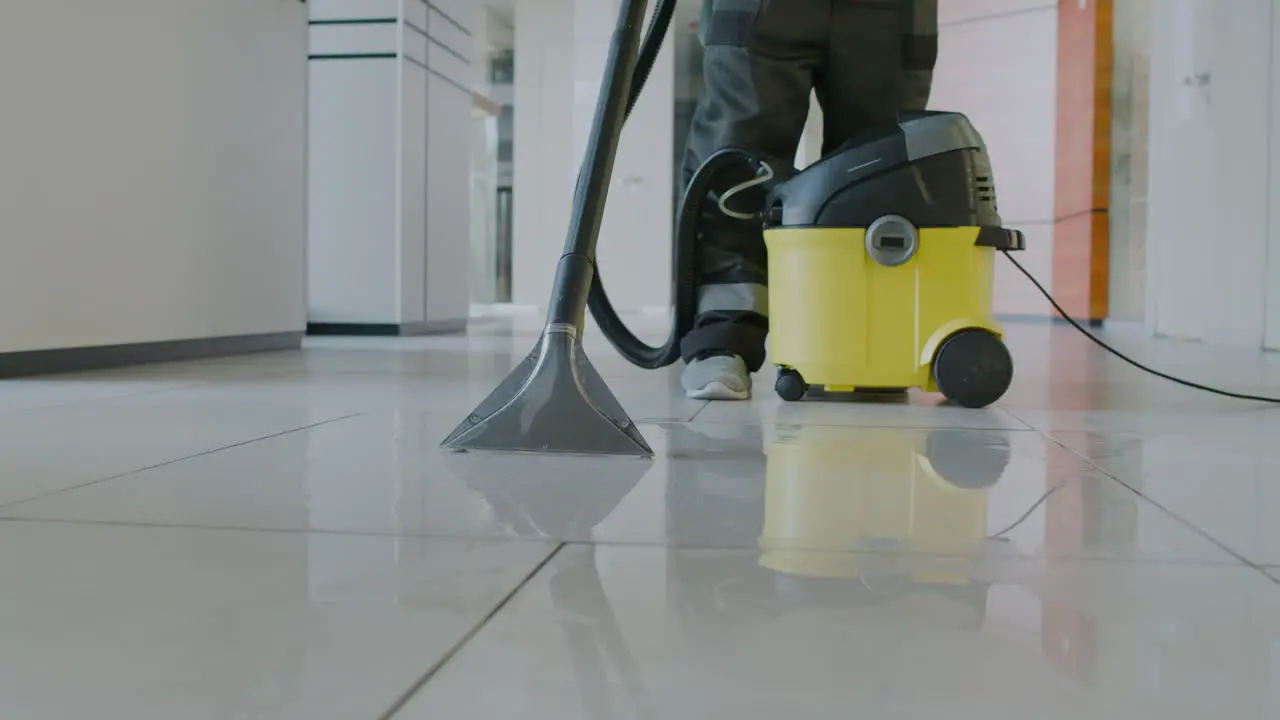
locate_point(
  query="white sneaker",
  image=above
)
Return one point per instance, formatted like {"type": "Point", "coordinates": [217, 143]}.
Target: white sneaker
{"type": "Point", "coordinates": [721, 377]}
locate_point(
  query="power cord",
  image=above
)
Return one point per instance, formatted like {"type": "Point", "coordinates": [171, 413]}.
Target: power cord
{"type": "Point", "coordinates": [1023, 517]}
{"type": "Point", "coordinates": [1098, 341]}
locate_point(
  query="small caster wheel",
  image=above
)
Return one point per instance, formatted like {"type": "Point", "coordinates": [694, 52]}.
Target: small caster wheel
{"type": "Point", "coordinates": [790, 386]}
{"type": "Point", "coordinates": [973, 368]}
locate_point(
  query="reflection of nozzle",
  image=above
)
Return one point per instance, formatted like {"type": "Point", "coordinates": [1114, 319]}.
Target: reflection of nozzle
{"type": "Point", "coordinates": [528, 492]}
{"type": "Point", "coordinates": [844, 503]}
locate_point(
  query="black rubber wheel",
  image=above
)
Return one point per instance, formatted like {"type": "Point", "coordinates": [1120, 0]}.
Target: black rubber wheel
{"type": "Point", "coordinates": [973, 368]}
{"type": "Point", "coordinates": [790, 386]}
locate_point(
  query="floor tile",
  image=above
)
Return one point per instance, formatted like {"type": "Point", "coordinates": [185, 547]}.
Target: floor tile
{"type": "Point", "coordinates": [824, 559]}
{"type": "Point", "coordinates": [1194, 418]}
{"type": "Point", "coordinates": [158, 623]}
{"type": "Point", "coordinates": [1227, 485]}
{"type": "Point", "coordinates": [683, 634]}
{"type": "Point", "coordinates": [58, 448]}
{"type": "Point", "coordinates": [1064, 382]}
{"type": "Point", "coordinates": [711, 485]}
{"type": "Point", "coordinates": [34, 393]}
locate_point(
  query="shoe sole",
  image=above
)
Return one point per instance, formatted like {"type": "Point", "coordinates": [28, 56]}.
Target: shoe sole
{"type": "Point", "coordinates": [718, 391]}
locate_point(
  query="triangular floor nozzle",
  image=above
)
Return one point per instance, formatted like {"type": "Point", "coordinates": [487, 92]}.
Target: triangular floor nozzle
{"type": "Point", "coordinates": [553, 402]}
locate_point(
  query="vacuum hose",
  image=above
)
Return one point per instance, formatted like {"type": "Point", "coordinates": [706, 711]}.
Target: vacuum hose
{"type": "Point", "coordinates": [684, 281]}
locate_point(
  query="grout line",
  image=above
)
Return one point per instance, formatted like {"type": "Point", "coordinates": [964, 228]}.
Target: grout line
{"type": "Point", "coordinates": [404, 699]}
{"type": "Point", "coordinates": [705, 404]}
{"type": "Point", "coordinates": [175, 461]}
{"type": "Point", "coordinates": [144, 524]}
{"type": "Point", "coordinates": [481, 537]}
{"type": "Point", "coordinates": [1179, 518]}
{"type": "Point", "coordinates": [868, 552]}
{"type": "Point", "coordinates": [1022, 420]}
{"type": "Point", "coordinates": [997, 16]}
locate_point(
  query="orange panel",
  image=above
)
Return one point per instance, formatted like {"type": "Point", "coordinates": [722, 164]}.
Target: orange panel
{"type": "Point", "coordinates": [1073, 191]}
{"type": "Point", "coordinates": [1082, 195]}
{"type": "Point", "coordinates": [1080, 264]}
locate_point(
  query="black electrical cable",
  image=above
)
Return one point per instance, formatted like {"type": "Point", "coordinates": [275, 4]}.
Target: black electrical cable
{"type": "Point", "coordinates": [1098, 341]}
{"type": "Point", "coordinates": [1026, 515]}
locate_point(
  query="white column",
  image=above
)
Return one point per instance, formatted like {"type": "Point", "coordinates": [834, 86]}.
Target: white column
{"type": "Point", "coordinates": [1210, 185]}
{"type": "Point", "coordinates": [561, 49]}
{"type": "Point", "coordinates": [389, 164]}
{"type": "Point", "coordinates": [1271, 338]}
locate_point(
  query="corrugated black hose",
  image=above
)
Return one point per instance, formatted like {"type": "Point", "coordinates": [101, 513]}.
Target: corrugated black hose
{"type": "Point", "coordinates": [684, 289]}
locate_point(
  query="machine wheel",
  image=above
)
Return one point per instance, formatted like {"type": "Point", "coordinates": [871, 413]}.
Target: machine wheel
{"type": "Point", "coordinates": [973, 368]}
{"type": "Point", "coordinates": [790, 386]}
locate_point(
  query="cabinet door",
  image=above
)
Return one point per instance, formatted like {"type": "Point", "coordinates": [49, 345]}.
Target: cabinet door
{"type": "Point", "coordinates": [448, 294]}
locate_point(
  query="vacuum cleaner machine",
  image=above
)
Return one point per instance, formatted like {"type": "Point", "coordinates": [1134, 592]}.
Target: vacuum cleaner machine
{"type": "Point", "coordinates": [881, 266]}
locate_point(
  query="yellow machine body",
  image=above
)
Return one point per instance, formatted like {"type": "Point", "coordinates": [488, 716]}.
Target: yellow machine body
{"type": "Point", "coordinates": [846, 322]}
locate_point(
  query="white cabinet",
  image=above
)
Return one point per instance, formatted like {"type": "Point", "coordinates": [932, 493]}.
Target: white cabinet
{"type": "Point", "coordinates": [448, 158]}
{"type": "Point", "coordinates": [389, 165]}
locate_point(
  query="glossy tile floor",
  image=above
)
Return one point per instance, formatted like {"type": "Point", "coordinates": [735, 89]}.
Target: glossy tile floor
{"type": "Point", "coordinates": [279, 536]}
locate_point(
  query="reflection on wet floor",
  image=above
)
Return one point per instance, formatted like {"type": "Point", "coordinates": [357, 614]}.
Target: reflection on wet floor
{"type": "Point", "coordinates": [280, 536]}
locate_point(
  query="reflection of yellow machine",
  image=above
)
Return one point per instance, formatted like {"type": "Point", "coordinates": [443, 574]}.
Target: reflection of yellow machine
{"type": "Point", "coordinates": [881, 263]}
{"type": "Point", "coordinates": [869, 505]}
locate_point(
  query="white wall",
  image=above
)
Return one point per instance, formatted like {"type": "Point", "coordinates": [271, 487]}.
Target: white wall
{"type": "Point", "coordinates": [151, 171]}
{"type": "Point", "coordinates": [1212, 164]}
{"type": "Point", "coordinates": [1271, 339]}
{"type": "Point", "coordinates": [998, 64]}
{"type": "Point", "coordinates": [390, 165]}
{"type": "Point", "coordinates": [560, 50]}
{"type": "Point", "coordinates": [1130, 160]}
{"type": "Point", "coordinates": [1013, 105]}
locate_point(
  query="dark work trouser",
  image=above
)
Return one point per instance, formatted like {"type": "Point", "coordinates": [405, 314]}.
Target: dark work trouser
{"type": "Point", "coordinates": [866, 60]}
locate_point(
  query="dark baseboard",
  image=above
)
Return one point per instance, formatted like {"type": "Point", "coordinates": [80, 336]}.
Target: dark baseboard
{"type": "Point", "coordinates": [432, 327]}
{"type": "Point", "coordinates": [359, 329]}
{"type": "Point", "coordinates": [1047, 320]}
{"type": "Point", "coordinates": [50, 362]}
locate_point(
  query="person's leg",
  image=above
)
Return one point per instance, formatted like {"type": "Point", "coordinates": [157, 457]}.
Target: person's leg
{"type": "Point", "coordinates": [757, 72]}
{"type": "Point", "coordinates": [880, 59]}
